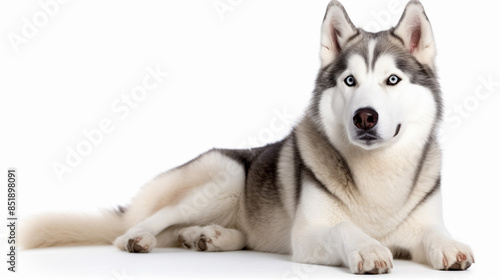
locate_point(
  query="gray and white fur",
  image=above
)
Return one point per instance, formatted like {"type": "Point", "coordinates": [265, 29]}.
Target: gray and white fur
{"type": "Point", "coordinates": [355, 184]}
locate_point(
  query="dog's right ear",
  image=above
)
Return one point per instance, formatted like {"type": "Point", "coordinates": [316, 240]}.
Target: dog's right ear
{"type": "Point", "coordinates": [336, 30]}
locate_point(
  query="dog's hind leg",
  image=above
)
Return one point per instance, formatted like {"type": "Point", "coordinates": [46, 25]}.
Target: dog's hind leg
{"type": "Point", "coordinates": [213, 200]}
{"type": "Point", "coordinates": [141, 238]}
{"type": "Point", "coordinates": [212, 238]}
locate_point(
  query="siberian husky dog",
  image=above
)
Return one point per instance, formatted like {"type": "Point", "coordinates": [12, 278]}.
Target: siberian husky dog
{"type": "Point", "coordinates": [356, 183]}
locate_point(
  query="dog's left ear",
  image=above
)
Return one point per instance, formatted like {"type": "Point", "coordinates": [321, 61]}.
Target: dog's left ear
{"type": "Point", "coordinates": [414, 29]}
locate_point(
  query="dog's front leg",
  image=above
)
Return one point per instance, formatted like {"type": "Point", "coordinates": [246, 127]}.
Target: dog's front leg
{"type": "Point", "coordinates": [443, 252]}
{"type": "Point", "coordinates": [425, 236]}
{"type": "Point", "coordinates": [323, 235]}
{"type": "Point", "coordinates": [341, 245]}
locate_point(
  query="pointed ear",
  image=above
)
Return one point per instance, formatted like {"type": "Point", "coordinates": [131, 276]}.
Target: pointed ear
{"type": "Point", "coordinates": [414, 29]}
{"type": "Point", "coordinates": [336, 30]}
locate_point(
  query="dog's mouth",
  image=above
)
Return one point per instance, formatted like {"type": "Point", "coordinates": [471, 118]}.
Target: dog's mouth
{"type": "Point", "coordinates": [398, 128]}
{"type": "Point", "coordinates": [370, 137]}
{"type": "Point", "coordinates": [367, 137]}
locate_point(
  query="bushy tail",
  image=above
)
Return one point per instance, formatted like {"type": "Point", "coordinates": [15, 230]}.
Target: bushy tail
{"type": "Point", "coordinates": [70, 230]}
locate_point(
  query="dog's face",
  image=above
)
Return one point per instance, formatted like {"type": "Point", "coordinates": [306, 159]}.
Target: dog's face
{"type": "Point", "coordinates": [377, 88]}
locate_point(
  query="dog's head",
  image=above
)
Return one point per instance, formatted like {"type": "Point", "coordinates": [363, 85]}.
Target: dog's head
{"type": "Point", "coordinates": [376, 88]}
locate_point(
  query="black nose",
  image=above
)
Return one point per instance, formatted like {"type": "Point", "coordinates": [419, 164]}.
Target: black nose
{"type": "Point", "coordinates": [365, 118]}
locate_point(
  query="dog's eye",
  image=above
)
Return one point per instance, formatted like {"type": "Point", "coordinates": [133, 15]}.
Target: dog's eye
{"type": "Point", "coordinates": [393, 80]}
{"type": "Point", "coordinates": [350, 81]}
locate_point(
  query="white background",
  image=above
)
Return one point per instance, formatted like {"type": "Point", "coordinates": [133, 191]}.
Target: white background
{"type": "Point", "coordinates": [233, 75]}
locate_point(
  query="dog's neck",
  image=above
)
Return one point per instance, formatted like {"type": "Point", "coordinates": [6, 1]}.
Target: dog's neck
{"type": "Point", "coordinates": [384, 182]}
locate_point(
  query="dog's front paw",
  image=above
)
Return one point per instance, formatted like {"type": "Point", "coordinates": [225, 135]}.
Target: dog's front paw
{"type": "Point", "coordinates": [372, 259]}
{"type": "Point", "coordinates": [451, 255]}
{"type": "Point", "coordinates": [139, 241]}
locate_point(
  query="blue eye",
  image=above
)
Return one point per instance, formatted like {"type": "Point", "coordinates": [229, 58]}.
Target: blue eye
{"type": "Point", "coordinates": [350, 81]}
{"type": "Point", "coordinates": [393, 80]}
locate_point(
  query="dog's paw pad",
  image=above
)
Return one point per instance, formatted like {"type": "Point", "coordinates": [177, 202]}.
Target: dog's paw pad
{"type": "Point", "coordinates": [202, 243]}
{"type": "Point", "coordinates": [199, 238]}
{"type": "Point", "coordinates": [374, 259]}
{"type": "Point", "coordinates": [136, 242]}
{"type": "Point", "coordinates": [134, 247]}
{"type": "Point", "coordinates": [452, 256]}
{"type": "Point", "coordinates": [183, 242]}
{"type": "Point", "coordinates": [462, 262]}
